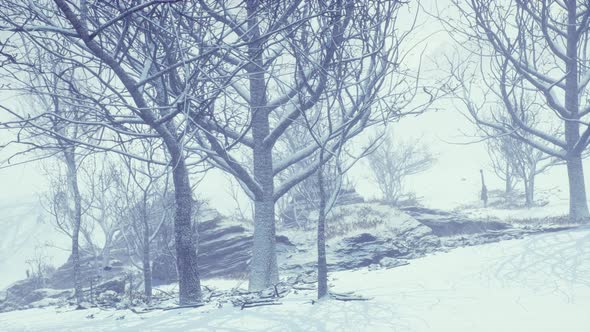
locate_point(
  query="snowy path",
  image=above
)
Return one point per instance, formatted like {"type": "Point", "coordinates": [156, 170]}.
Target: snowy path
{"type": "Point", "coordinates": [540, 283]}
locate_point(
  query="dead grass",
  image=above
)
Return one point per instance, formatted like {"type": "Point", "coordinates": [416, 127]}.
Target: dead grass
{"type": "Point", "coordinates": [346, 220]}
{"type": "Point", "coordinates": [544, 221]}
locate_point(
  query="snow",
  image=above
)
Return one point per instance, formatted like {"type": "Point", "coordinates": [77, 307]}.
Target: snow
{"type": "Point", "coordinates": [539, 283]}
{"type": "Point", "coordinates": [555, 207]}
{"type": "Point", "coordinates": [508, 215]}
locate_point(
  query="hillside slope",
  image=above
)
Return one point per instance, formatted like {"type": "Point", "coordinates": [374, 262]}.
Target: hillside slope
{"type": "Point", "coordinates": [538, 283]}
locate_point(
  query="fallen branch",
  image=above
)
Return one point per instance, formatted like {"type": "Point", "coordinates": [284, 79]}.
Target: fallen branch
{"type": "Point", "coordinates": [247, 305]}
{"type": "Point", "coordinates": [348, 297]}
{"type": "Point", "coordinates": [196, 305]}
{"type": "Point", "coordinates": [145, 311]}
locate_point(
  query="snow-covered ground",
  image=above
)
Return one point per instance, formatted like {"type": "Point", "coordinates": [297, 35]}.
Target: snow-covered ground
{"type": "Point", "coordinates": [550, 203]}
{"type": "Point", "coordinates": [539, 283]}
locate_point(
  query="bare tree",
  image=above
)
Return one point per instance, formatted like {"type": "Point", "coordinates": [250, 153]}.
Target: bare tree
{"type": "Point", "coordinates": [217, 80]}
{"type": "Point", "coordinates": [99, 178]}
{"type": "Point", "coordinates": [40, 267]}
{"type": "Point", "coordinates": [306, 194]}
{"type": "Point", "coordinates": [529, 162]}
{"type": "Point", "coordinates": [515, 161]}
{"type": "Point", "coordinates": [338, 115]}
{"type": "Point", "coordinates": [321, 232]}
{"type": "Point", "coordinates": [328, 187]}
{"type": "Point", "coordinates": [393, 161]}
{"type": "Point", "coordinates": [538, 48]}
{"type": "Point", "coordinates": [285, 59]}
{"type": "Point", "coordinates": [500, 154]}
{"type": "Point", "coordinates": [138, 66]}
{"type": "Point", "coordinates": [144, 208]}
{"type": "Point", "coordinates": [328, 192]}
{"type": "Point", "coordinates": [66, 201]}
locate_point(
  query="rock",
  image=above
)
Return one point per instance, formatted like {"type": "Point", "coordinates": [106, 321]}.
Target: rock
{"type": "Point", "coordinates": [46, 302]}
{"type": "Point", "coordinates": [23, 292]}
{"type": "Point", "coordinates": [33, 296]}
{"type": "Point", "coordinates": [363, 250]}
{"type": "Point", "coordinates": [459, 226]}
{"type": "Point", "coordinates": [7, 306]}
{"type": "Point", "coordinates": [361, 239]}
{"type": "Point", "coordinates": [362, 235]}
{"type": "Point", "coordinates": [47, 293]}
{"type": "Point", "coordinates": [373, 267]}
{"type": "Point", "coordinates": [90, 269]}
{"type": "Point", "coordinates": [390, 262]}
{"type": "Point", "coordinates": [84, 306]}
{"type": "Point", "coordinates": [22, 297]}
{"type": "Point", "coordinates": [224, 251]}
{"type": "Point", "coordinates": [391, 234]}
{"type": "Point", "coordinates": [444, 223]}
{"type": "Point", "coordinates": [59, 293]}
{"type": "Point", "coordinates": [430, 241]}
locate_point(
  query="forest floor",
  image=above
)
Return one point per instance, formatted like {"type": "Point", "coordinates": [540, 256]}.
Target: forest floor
{"type": "Point", "coordinates": [537, 283]}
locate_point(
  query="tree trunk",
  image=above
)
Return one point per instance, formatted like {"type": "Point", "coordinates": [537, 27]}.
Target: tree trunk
{"type": "Point", "coordinates": [532, 188]}
{"type": "Point", "coordinates": [577, 190]}
{"type": "Point", "coordinates": [147, 270]}
{"type": "Point", "coordinates": [508, 188]}
{"type": "Point", "coordinates": [72, 176]}
{"type": "Point", "coordinates": [575, 171]}
{"type": "Point", "coordinates": [189, 283]}
{"type": "Point", "coordinates": [529, 185]}
{"type": "Point", "coordinates": [263, 267]}
{"type": "Point", "coordinates": [264, 270]}
{"type": "Point", "coordinates": [322, 264]}
{"type": "Point", "coordinates": [106, 251]}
